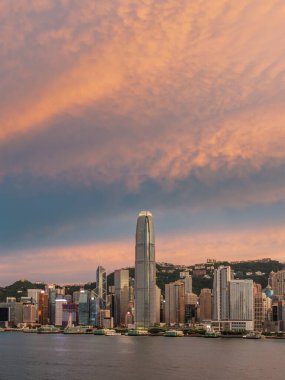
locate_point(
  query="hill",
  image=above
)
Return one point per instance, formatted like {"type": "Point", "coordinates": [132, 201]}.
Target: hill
{"type": "Point", "coordinates": [202, 274]}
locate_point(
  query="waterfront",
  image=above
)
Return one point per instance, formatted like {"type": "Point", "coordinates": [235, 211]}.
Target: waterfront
{"type": "Point", "coordinates": [54, 357]}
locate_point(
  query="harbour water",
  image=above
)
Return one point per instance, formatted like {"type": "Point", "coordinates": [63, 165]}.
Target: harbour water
{"type": "Point", "coordinates": [89, 357]}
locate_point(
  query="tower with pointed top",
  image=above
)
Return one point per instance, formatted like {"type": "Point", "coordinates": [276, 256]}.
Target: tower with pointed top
{"type": "Point", "coordinates": [145, 272]}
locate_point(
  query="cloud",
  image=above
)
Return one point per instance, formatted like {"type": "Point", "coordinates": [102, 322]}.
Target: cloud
{"type": "Point", "coordinates": [173, 105]}
{"type": "Point", "coordinates": [191, 98]}
{"type": "Point", "coordinates": [77, 263]}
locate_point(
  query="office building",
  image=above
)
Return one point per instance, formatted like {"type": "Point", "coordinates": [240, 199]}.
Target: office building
{"type": "Point", "coordinates": [59, 302]}
{"type": "Point", "coordinates": [222, 276]}
{"type": "Point", "coordinates": [191, 307]}
{"type": "Point", "coordinates": [175, 302]}
{"type": "Point", "coordinates": [205, 302]}
{"type": "Point", "coordinates": [69, 314]}
{"type": "Point", "coordinates": [278, 284]}
{"type": "Point", "coordinates": [11, 313]}
{"type": "Point", "coordinates": [145, 271]}
{"type": "Point", "coordinates": [158, 305]}
{"type": "Point", "coordinates": [122, 290]}
{"type": "Point", "coordinates": [187, 279]}
{"type": "Point", "coordinates": [84, 307]}
{"type": "Point", "coordinates": [241, 300]}
{"type": "Point", "coordinates": [43, 308]}
{"type": "Point", "coordinates": [101, 286]}
{"type": "Point", "coordinates": [29, 313]}
{"type": "Point", "coordinates": [93, 308]}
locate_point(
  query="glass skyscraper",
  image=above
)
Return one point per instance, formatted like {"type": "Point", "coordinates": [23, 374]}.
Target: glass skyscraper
{"type": "Point", "coordinates": [145, 272]}
{"type": "Point", "coordinates": [101, 286]}
{"type": "Point", "coordinates": [84, 307]}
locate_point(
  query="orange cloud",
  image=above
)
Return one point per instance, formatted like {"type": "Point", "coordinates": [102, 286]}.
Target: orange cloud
{"type": "Point", "coordinates": [78, 263]}
{"type": "Point", "coordinates": [201, 86]}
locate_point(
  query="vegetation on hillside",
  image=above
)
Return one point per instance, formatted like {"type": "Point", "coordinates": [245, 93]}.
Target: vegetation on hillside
{"type": "Point", "coordinates": [258, 271]}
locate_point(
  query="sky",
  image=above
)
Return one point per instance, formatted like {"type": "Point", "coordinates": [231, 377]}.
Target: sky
{"type": "Point", "coordinates": [111, 107]}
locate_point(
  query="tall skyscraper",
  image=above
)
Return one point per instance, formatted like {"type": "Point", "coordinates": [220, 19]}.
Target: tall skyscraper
{"type": "Point", "coordinates": [241, 304]}
{"type": "Point", "coordinates": [122, 291]}
{"type": "Point", "coordinates": [241, 300]}
{"type": "Point", "coordinates": [59, 302]}
{"type": "Point", "coordinates": [261, 307]}
{"type": "Point", "coordinates": [222, 276]}
{"type": "Point", "coordinates": [43, 308]}
{"type": "Point", "coordinates": [84, 307]}
{"type": "Point", "coordinates": [158, 303]}
{"type": "Point", "coordinates": [101, 286]}
{"type": "Point", "coordinates": [145, 272]}
{"type": "Point", "coordinates": [233, 301]}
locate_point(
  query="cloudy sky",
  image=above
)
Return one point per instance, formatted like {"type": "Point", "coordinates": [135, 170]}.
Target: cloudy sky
{"type": "Point", "coordinates": [109, 107]}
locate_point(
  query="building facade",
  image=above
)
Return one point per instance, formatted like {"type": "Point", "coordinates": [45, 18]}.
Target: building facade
{"type": "Point", "coordinates": [222, 276]}
{"type": "Point", "coordinates": [145, 272]}
{"type": "Point", "coordinates": [101, 286]}
{"type": "Point", "coordinates": [278, 283]}
{"type": "Point", "coordinates": [205, 302]}
{"type": "Point", "coordinates": [122, 291]}
{"type": "Point", "coordinates": [175, 302]}
{"type": "Point", "coordinates": [241, 300]}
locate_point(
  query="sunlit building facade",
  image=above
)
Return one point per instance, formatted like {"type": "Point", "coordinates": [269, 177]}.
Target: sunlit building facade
{"type": "Point", "coordinates": [122, 291]}
{"type": "Point", "coordinates": [222, 276]}
{"type": "Point", "coordinates": [145, 271]}
{"type": "Point", "coordinates": [101, 286]}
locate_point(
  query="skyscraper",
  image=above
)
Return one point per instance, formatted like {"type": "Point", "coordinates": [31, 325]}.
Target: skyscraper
{"type": "Point", "coordinates": [101, 286]}
{"type": "Point", "coordinates": [175, 302]}
{"type": "Point", "coordinates": [278, 283]}
{"type": "Point", "coordinates": [205, 301]}
{"type": "Point", "coordinates": [84, 307]}
{"type": "Point", "coordinates": [145, 272]}
{"type": "Point", "coordinates": [241, 304]}
{"type": "Point", "coordinates": [241, 300]}
{"type": "Point", "coordinates": [222, 276]}
{"type": "Point", "coordinates": [122, 291]}
{"type": "Point", "coordinates": [59, 302]}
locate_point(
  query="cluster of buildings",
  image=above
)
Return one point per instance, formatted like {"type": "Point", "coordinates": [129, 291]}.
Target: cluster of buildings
{"type": "Point", "coordinates": [232, 304]}
{"type": "Point", "coordinates": [53, 306]}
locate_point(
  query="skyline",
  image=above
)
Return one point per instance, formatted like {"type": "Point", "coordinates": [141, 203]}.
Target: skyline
{"type": "Point", "coordinates": [111, 108]}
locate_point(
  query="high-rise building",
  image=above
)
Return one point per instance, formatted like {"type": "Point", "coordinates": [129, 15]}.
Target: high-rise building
{"type": "Point", "coordinates": [84, 307]}
{"type": "Point", "coordinates": [278, 283]}
{"type": "Point", "coordinates": [29, 313]}
{"type": "Point", "coordinates": [93, 308]}
{"type": "Point", "coordinates": [187, 279]}
{"type": "Point", "coordinates": [11, 312]}
{"type": "Point", "coordinates": [158, 303]}
{"type": "Point", "coordinates": [191, 307]}
{"type": "Point", "coordinates": [222, 276]}
{"type": "Point", "coordinates": [241, 300]}
{"type": "Point", "coordinates": [205, 301]}
{"type": "Point", "coordinates": [43, 308]}
{"type": "Point", "coordinates": [59, 302]}
{"type": "Point", "coordinates": [69, 314]}
{"type": "Point", "coordinates": [101, 286]}
{"type": "Point", "coordinates": [50, 289]}
{"type": "Point", "coordinates": [232, 302]}
{"type": "Point", "coordinates": [145, 271]}
{"type": "Point", "coordinates": [175, 302]}
{"type": "Point", "coordinates": [122, 292]}
{"type": "Point", "coordinates": [75, 297]}
{"type": "Point", "coordinates": [259, 316]}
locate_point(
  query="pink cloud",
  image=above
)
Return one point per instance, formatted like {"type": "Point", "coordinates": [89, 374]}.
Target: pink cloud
{"type": "Point", "coordinates": [78, 263]}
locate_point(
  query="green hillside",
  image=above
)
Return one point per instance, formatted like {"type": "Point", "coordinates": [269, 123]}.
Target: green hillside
{"type": "Point", "coordinates": [258, 271]}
